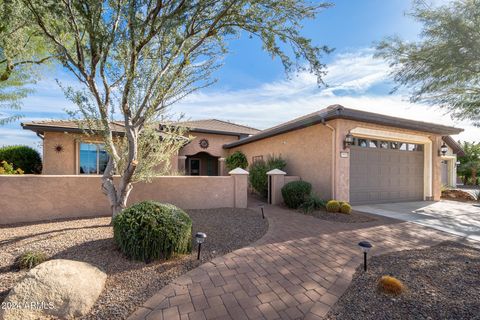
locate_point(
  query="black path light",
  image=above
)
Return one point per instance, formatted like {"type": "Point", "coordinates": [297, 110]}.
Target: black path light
{"type": "Point", "coordinates": [366, 246]}
{"type": "Point", "coordinates": [261, 206]}
{"type": "Point", "coordinates": [200, 238]}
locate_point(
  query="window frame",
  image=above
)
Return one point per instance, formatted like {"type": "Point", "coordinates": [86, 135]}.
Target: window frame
{"type": "Point", "coordinates": [99, 147]}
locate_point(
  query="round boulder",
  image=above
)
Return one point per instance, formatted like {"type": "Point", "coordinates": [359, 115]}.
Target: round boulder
{"type": "Point", "coordinates": [57, 288]}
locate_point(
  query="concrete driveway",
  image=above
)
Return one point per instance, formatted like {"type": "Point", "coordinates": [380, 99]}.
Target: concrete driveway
{"type": "Point", "coordinates": [458, 218]}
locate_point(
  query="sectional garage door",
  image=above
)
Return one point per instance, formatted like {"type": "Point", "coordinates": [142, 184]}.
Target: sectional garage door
{"type": "Point", "coordinates": [383, 171]}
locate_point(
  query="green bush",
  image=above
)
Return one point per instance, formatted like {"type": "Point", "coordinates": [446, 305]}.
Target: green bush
{"type": "Point", "coordinates": [31, 259]}
{"type": "Point", "coordinates": [150, 230]}
{"type": "Point", "coordinates": [333, 206]}
{"type": "Point", "coordinates": [236, 160]}
{"type": "Point", "coordinates": [258, 173]}
{"type": "Point", "coordinates": [346, 208]}
{"type": "Point", "coordinates": [312, 203]}
{"type": "Point", "coordinates": [22, 157]}
{"type": "Point", "coordinates": [295, 193]}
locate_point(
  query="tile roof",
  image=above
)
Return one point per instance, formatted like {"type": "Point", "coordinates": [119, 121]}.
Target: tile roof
{"type": "Point", "coordinates": [340, 112]}
{"type": "Point", "coordinates": [66, 126]}
{"type": "Point", "coordinates": [219, 126]}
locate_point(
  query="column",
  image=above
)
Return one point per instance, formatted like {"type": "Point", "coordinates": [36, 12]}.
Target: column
{"type": "Point", "coordinates": [181, 164]}
{"type": "Point", "coordinates": [221, 167]}
{"type": "Point", "coordinates": [276, 181]}
{"type": "Point", "coordinates": [240, 186]}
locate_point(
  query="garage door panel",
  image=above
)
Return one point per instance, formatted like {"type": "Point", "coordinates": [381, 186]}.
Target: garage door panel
{"type": "Point", "coordinates": [385, 175]}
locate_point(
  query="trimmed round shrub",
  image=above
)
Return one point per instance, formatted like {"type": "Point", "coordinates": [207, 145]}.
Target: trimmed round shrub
{"type": "Point", "coordinates": [313, 202]}
{"type": "Point", "coordinates": [258, 173]}
{"type": "Point", "coordinates": [236, 160]}
{"type": "Point", "coordinates": [22, 157]}
{"type": "Point", "coordinates": [333, 206]}
{"type": "Point", "coordinates": [346, 208]}
{"type": "Point", "coordinates": [390, 285]}
{"type": "Point", "coordinates": [295, 193]}
{"type": "Point", "coordinates": [31, 259]}
{"type": "Point", "coordinates": [150, 230]}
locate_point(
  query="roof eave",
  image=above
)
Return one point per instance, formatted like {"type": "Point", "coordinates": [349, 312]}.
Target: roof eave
{"type": "Point", "coordinates": [42, 129]}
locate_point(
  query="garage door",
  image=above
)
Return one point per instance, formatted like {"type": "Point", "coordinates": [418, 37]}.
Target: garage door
{"type": "Point", "coordinates": [385, 171]}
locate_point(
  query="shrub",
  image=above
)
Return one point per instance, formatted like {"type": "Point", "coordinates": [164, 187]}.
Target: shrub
{"type": "Point", "coordinates": [312, 203]}
{"type": "Point", "coordinates": [391, 285]}
{"type": "Point", "coordinates": [22, 157]}
{"type": "Point", "coordinates": [295, 193]}
{"type": "Point", "coordinates": [236, 160]}
{"type": "Point", "coordinates": [7, 168]}
{"type": "Point", "coordinates": [345, 208]}
{"type": "Point", "coordinates": [333, 206]}
{"type": "Point", "coordinates": [258, 173]}
{"type": "Point", "coordinates": [31, 259]}
{"type": "Point", "coordinates": [150, 230]}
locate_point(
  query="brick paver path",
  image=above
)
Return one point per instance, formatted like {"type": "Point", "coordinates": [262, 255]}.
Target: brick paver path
{"type": "Point", "coordinates": [296, 271]}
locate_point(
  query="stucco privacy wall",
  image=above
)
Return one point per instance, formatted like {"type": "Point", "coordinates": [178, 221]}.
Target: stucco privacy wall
{"type": "Point", "coordinates": [307, 151]}
{"type": "Point", "coordinates": [31, 198]}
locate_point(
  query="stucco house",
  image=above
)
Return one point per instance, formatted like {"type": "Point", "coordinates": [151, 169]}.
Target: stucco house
{"type": "Point", "coordinates": [346, 154]}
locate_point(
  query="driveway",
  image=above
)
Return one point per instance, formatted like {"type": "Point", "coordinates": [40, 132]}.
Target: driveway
{"type": "Point", "coordinates": [458, 218]}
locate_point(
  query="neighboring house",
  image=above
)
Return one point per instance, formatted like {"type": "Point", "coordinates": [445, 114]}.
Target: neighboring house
{"type": "Point", "coordinates": [346, 154]}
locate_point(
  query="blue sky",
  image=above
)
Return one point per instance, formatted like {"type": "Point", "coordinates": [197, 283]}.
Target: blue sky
{"type": "Point", "coordinates": [252, 88]}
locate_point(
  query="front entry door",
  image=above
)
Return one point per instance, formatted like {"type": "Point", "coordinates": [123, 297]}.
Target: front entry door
{"type": "Point", "coordinates": [194, 167]}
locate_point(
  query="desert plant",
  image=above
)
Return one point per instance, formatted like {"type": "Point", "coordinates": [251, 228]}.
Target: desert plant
{"type": "Point", "coordinates": [22, 157]}
{"type": "Point", "coordinates": [345, 208]}
{"type": "Point", "coordinates": [31, 259]}
{"type": "Point", "coordinates": [236, 160]}
{"type": "Point", "coordinates": [313, 202]}
{"type": "Point", "coordinates": [390, 285]}
{"type": "Point", "coordinates": [7, 168]}
{"type": "Point", "coordinates": [333, 206]}
{"type": "Point", "coordinates": [258, 173]}
{"type": "Point", "coordinates": [150, 230]}
{"type": "Point", "coordinates": [295, 193]}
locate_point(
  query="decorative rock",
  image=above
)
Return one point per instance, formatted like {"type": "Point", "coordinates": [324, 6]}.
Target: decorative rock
{"type": "Point", "coordinates": [457, 194]}
{"type": "Point", "coordinates": [60, 288]}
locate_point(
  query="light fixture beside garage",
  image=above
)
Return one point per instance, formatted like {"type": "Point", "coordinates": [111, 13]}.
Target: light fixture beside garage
{"type": "Point", "coordinates": [348, 141]}
{"type": "Point", "coordinates": [443, 149]}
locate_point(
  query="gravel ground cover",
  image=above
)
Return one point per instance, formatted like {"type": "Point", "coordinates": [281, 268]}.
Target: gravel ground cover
{"type": "Point", "coordinates": [353, 217]}
{"type": "Point", "coordinates": [442, 282]}
{"type": "Point", "coordinates": [129, 283]}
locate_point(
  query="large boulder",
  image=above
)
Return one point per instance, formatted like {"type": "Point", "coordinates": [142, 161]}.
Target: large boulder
{"type": "Point", "coordinates": [63, 289]}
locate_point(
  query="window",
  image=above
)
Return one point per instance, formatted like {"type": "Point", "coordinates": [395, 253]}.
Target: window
{"type": "Point", "coordinates": [384, 144]}
{"type": "Point", "coordinates": [257, 158]}
{"type": "Point", "coordinates": [403, 146]}
{"type": "Point", "coordinates": [372, 144]}
{"type": "Point", "coordinates": [93, 158]}
{"type": "Point", "coordinates": [362, 143]}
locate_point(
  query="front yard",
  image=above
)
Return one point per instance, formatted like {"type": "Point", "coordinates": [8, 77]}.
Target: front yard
{"type": "Point", "coordinates": [129, 283]}
{"type": "Point", "coordinates": [442, 282]}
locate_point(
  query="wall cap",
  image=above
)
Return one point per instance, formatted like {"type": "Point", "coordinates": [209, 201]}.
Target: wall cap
{"type": "Point", "coordinates": [238, 171]}
{"type": "Point", "coordinates": [276, 171]}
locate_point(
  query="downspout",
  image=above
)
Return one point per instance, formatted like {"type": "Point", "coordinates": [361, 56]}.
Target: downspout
{"type": "Point", "coordinates": [334, 152]}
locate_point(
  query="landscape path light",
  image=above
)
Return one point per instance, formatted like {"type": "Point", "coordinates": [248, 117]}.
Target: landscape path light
{"type": "Point", "coordinates": [261, 206]}
{"type": "Point", "coordinates": [200, 238]}
{"type": "Point", "coordinates": [366, 246]}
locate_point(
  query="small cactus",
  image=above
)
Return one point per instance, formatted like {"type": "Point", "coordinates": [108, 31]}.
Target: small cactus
{"type": "Point", "coordinates": [31, 259]}
{"type": "Point", "coordinates": [345, 208]}
{"type": "Point", "coordinates": [333, 206]}
{"type": "Point", "coordinates": [390, 285]}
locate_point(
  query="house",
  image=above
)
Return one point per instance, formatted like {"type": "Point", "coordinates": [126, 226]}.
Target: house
{"type": "Point", "coordinates": [346, 154]}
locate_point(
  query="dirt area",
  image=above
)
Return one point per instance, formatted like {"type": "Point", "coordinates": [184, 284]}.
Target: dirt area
{"type": "Point", "coordinates": [129, 283]}
{"type": "Point", "coordinates": [353, 217]}
{"type": "Point", "coordinates": [442, 283]}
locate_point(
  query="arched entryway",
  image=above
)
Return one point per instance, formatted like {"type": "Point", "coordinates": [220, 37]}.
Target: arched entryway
{"type": "Point", "coordinates": [201, 164]}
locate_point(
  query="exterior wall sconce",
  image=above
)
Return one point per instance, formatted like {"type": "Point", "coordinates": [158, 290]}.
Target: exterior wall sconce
{"type": "Point", "coordinates": [366, 246]}
{"type": "Point", "coordinates": [443, 149]}
{"type": "Point", "coordinates": [200, 238]}
{"type": "Point", "coordinates": [348, 141]}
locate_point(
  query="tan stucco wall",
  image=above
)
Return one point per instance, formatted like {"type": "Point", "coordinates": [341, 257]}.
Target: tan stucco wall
{"type": "Point", "coordinates": [307, 152]}
{"type": "Point", "coordinates": [41, 197]}
{"type": "Point", "coordinates": [215, 148]}
{"type": "Point", "coordinates": [59, 162]}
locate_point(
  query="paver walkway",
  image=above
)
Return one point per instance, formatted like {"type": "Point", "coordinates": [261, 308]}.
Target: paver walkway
{"type": "Point", "coordinates": [296, 271]}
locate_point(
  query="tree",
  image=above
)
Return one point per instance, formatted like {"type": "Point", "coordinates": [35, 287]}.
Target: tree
{"type": "Point", "coordinates": [21, 52]}
{"type": "Point", "coordinates": [443, 67]}
{"type": "Point", "coordinates": [470, 162]}
{"type": "Point", "coordinates": [138, 57]}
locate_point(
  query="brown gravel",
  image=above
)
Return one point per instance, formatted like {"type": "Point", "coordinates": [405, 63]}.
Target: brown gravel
{"type": "Point", "coordinates": [129, 283]}
{"type": "Point", "coordinates": [353, 217]}
{"type": "Point", "coordinates": [442, 282]}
